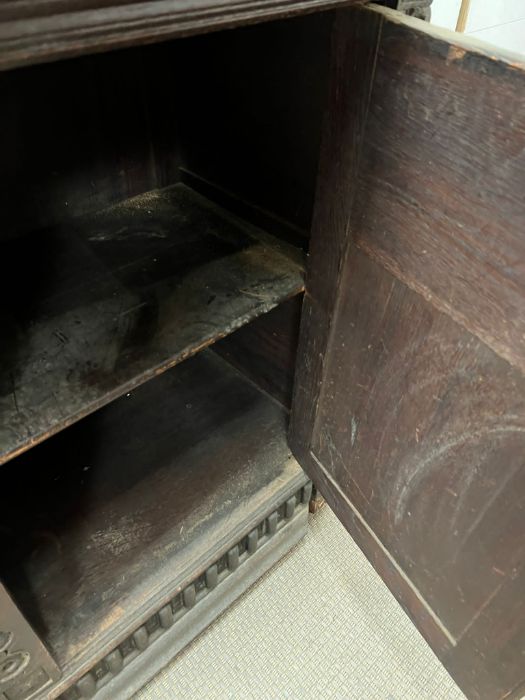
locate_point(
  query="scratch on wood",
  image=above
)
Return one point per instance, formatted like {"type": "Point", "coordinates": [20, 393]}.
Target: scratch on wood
{"type": "Point", "coordinates": [14, 394]}
{"type": "Point", "coordinates": [421, 465]}
{"type": "Point", "coordinates": [61, 337]}
{"type": "Point", "coordinates": [486, 506]}
{"type": "Point", "coordinates": [132, 309]}
{"type": "Point", "coordinates": [387, 554]}
{"type": "Point", "coordinates": [480, 610]}
{"type": "Point", "coordinates": [353, 433]}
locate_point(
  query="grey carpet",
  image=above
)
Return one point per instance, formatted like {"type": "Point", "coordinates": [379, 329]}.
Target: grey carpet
{"type": "Point", "coordinates": [320, 625]}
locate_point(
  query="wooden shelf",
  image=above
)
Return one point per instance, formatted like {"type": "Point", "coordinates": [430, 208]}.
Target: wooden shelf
{"type": "Point", "coordinates": [109, 519]}
{"type": "Point", "coordinates": [120, 296]}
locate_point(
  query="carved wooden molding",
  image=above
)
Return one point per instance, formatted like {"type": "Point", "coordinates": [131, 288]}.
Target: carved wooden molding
{"type": "Point", "coordinates": [35, 31]}
{"type": "Point", "coordinates": [26, 666]}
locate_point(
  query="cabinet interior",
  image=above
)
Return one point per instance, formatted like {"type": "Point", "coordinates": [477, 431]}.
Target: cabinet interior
{"type": "Point", "coordinates": [126, 501]}
{"type": "Point", "coordinates": [156, 205]}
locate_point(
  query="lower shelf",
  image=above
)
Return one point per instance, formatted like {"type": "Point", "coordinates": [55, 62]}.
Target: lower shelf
{"type": "Point", "coordinates": [129, 532]}
{"type": "Point", "coordinates": [153, 645]}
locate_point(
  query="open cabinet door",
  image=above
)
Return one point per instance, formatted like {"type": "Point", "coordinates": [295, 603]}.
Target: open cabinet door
{"type": "Point", "coordinates": [409, 406]}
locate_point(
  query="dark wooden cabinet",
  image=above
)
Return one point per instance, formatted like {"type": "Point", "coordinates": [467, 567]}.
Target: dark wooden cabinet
{"type": "Point", "coordinates": [409, 408]}
{"type": "Point", "coordinates": [157, 205]}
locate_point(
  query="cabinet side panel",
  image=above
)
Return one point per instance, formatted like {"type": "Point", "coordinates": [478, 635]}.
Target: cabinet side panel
{"type": "Point", "coordinates": [354, 44]}
{"type": "Point", "coordinates": [265, 349]}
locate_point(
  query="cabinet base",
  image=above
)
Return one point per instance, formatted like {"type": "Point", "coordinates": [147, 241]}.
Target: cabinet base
{"type": "Point", "coordinates": [135, 661]}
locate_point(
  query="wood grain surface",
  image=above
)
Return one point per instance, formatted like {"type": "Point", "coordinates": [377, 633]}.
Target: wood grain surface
{"type": "Point", "coordinates": [32, 31]}
{"type": "Point", "coordinates": [114, 299]}
{"type": "Point", "coordinates": [138, 497]}
{"type": "Point", "coordinates": [265, 349]}
{"type": "Point", "coordinates": [440, 193]}
{"type": "Point", "coordinates": [411, 357]}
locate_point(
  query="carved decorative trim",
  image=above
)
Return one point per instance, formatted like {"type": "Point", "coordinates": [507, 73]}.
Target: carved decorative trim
{"type": "Point", "coordinates": [26, 668]}
{"type": "Point", "coordinates": [128, 650]}
{"type": "Point", "coordinates": [34, 31]}
{"type": "Point", "coordinates": [12, 662]}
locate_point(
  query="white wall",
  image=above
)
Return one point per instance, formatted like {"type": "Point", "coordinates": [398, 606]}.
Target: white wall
{"type": "Point", "coordinates": [500, 22]}
{"type": "Point", "coordinates": [445, 13]}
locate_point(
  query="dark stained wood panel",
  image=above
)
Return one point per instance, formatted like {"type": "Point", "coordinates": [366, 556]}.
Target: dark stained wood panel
{"type": "Point", "coordinates": [265, 349]}
{"type": "Point", "coordinates": [432, 424]}
{"type": "Point", "coordinates": [138, 496]}
{"type": "Point", "coordinates": [33, 31]}
{"type": "Point", "coordinates": [354, 44]}
{"type": "Point", "coordinates": [409, 403]}
{"type": "Point", "coordinates": [83, 134]}
{"type": "Point", "coordinates": [440, 198]}
{"type": "Point", "coordinates": [114, 299]}
{"type": "Point", "coordinates": [267, 112]}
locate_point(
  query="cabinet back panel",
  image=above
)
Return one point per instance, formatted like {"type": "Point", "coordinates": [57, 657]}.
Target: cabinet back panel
{"type": "Point", "coordinates": [82, 134]}
{"type": "Point", "coordinates": [244, 107]}
{"type": "Point", "coordinates": [255, 128]}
